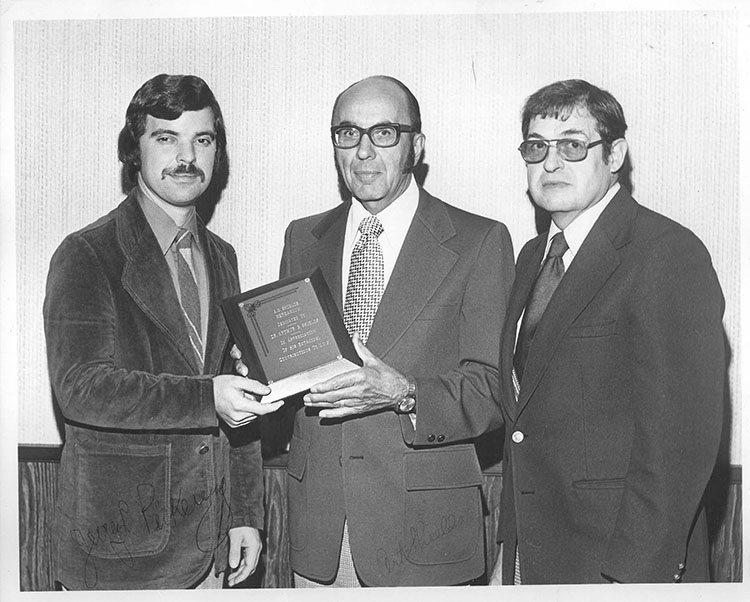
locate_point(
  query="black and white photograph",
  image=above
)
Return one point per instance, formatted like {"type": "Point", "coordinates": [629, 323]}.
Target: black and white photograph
{"type": "Point", "coordinates": [410, 299]}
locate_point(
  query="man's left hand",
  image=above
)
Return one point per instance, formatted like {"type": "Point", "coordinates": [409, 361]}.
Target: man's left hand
{"type": "Point", "coordinates": [374, 386]}
{"type": "Point", "coordinates": [244, 551]}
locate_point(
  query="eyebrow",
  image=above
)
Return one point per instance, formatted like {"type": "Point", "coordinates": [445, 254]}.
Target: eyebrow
{"type": "Point", "coordinates": [162, 131]}
{"type": "Point", "coordinates": [344, 123]}
{"type": "Point", "coordinates": [562, 134]}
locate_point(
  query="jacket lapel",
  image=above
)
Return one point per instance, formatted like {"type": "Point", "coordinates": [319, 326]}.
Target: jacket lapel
{"type": "Point", "coordinates": [421, 267]}
{"type": "Point", "coordinates": [594, 263]}
{"type": "Point", "coordinates": [147, 280]}
{"type": "Point", "coordinates": [223, 282]}
{"type": "Point", "coordinates": [326, 254]}
{"type": "Point", "coordinates": [527, 268]}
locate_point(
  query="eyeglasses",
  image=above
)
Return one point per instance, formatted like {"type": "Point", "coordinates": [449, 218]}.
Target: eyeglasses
{"type": "Point", "coordinates": [384, 135]}
{"type": "Point", "coordinates": [535, 150]}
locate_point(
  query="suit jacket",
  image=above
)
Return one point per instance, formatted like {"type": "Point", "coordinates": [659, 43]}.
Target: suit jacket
{"type": "Point", "coordinates": [145, 494]}
{"type": "Point", "coordinates": [617, 425]}
{"type": "Point", "coordinates": [412, 499]}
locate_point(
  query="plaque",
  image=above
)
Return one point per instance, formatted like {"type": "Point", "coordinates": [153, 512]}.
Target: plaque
{"type": "Point", "coordinates": [291, 334]}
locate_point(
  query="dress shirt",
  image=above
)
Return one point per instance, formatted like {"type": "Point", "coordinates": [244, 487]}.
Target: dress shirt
{"type": "Point", "coordinates": [165, 229]}
{"type": "Point", "coordinates": [396, 220]}
{"type": "Point", "coordinates": [579, 228]}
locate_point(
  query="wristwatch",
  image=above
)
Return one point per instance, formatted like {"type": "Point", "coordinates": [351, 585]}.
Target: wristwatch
{"type": "Point", "coordinates": [408, 402]}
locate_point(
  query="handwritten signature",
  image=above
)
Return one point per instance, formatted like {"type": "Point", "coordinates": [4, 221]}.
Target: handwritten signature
{"type": "Point", "coordinates": [421, 536]}
{"type": "Point", "coordinates": [116, 535]}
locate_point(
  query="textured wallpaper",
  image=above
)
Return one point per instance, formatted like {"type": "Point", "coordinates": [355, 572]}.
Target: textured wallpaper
{"type": "Point", "coordinates": [276, 79]}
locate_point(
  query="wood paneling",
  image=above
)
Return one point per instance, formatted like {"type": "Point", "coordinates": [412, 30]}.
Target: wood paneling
{"type": "Point", "coordinates": [37, 487]}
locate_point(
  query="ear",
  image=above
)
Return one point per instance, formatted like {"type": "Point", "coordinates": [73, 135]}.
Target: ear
{"type": "Point", "coordinates": [617, 154]}
{"type": "Point", "coordinates": [418, 144]}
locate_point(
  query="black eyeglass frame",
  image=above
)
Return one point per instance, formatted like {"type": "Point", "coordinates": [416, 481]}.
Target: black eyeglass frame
{"type": "Point", "coordinates": [399, 127]}
{"type": "Point", "coordinates": [548, 143]}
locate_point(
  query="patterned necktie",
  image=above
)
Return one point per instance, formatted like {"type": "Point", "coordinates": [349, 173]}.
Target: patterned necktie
{"type": "Point", "coordinates": [189, 297]}
{"type": "Point", "coordinates": [547, 280]}
{"type": "Point", "coordinates": [365, 285]}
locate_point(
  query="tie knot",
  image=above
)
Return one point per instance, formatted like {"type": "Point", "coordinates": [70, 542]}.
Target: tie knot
{"type": "Point", "coordinates": [371, 226]}
{"type": "Point", "coordinates": [184, 239]}
{"type": "Point", "coordinates": [559, 245]}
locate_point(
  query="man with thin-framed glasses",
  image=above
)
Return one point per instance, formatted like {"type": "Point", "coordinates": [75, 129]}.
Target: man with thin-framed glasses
{"type": "Point", "coordinates": [384, 482]}
{"type": "Point", "coordinates": [612, 367]}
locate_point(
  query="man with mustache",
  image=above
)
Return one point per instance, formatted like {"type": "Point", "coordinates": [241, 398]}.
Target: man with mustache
{"type": "Point", "coordinates": [384, 482]}
{"type": "Point", "coordinates": [160, 480]}
{"type": "Point", "coordinates": [612, 366]}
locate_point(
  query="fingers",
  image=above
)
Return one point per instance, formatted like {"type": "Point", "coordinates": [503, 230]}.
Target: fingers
{"type": "Point", "coordinates": [339, 412]}
{"type": "Point", "coordinates": [240, 368]}
{"type": "Point", "coordinates": [243, 572]}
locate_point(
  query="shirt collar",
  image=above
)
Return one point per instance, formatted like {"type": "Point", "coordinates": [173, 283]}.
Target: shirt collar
{"type": "Point", "coordinates": [164, 227]}
{"type": "Point", "coordinates": [395, 218]}
{"type": "Point", "coordinates": [577, 231]}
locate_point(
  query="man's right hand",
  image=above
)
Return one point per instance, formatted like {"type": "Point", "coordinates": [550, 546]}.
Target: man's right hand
{"type": "Point", "coordinates": [237, 399]}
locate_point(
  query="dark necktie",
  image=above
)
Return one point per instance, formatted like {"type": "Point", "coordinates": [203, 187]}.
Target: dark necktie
{"type": "Point", "coordinates": [547, 280]}
{"type": "Point", "coordinates": [364, 287]}
{"type": "Point", "coordinates": [189, 296]}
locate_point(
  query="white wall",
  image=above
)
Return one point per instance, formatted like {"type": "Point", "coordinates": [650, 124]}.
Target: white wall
{"type": "Point", "coordinates": [675, 74]}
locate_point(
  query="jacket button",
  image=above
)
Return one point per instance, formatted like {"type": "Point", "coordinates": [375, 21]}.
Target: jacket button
{"type": "Point", "coordinates": [681, 566]}
{"type": "Point", "coordinates": [517, 436]}
{"type": "Point", "coordinates": [203, 449]}
{"type": "Point", "coordinates": [441, 438]}
{"type": "Point", "coordinates": [677, 578]}
{"type": "Point", "coordinates": [430, 437]}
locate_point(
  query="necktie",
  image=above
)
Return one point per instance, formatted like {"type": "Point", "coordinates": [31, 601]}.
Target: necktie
{"type": "Point", "coordinates": [547, 280]}
{"type": "Point", "coordinates": [189, 297]}
{"type": "Point", "coordinates": [365, 285]}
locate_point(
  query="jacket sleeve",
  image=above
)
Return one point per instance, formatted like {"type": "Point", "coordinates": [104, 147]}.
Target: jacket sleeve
{"type": "Point", "coordinates": [678, 355]}
{"type": "Point", "coordinates": [463, 403]}
{"type": "Point", "coordinates": [246, 476]}
{"type": "Point", "coordinates": [81, 327]}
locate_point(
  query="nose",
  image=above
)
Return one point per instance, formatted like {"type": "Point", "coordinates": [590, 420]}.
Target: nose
{"type": "Point", "coordinates": [366, 149]}
{"type": "Point", "coordinates": [186, 152]}
{"type": "Point", "coordinates": [553, 161]}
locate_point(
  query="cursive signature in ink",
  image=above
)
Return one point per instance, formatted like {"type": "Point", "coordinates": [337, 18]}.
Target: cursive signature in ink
{"type": "Point", "coordinates": [421, 536]}
{"type": "Point", "coordinates": [112, 533]}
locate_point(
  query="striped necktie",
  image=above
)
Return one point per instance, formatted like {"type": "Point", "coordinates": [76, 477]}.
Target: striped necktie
{"type": "Point", "coordinates": [189, 296]}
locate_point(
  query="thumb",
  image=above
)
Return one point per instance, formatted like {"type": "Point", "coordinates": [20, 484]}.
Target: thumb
{"type": "Point", "coordinates": [367, 357]}
{"type": "Point", "coordinates": [234, 551]}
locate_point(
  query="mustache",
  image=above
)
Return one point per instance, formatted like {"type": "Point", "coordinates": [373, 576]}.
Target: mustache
{"type": "Point", "coordinates": [184, 169]}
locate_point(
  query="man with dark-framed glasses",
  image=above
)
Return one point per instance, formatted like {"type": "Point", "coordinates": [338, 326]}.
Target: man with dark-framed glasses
{"type": "Point", "coordinates": [612, 367]}
{"type": "Point", "coordinates": [384, 482]}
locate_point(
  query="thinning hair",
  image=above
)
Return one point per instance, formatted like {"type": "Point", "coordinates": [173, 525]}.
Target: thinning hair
{"type": "Point", "coordinates": [412, 105]}
{"type": "Point", "coordinates": [560, 99]}
{"type": "Point", "coordinates": [167, 97]}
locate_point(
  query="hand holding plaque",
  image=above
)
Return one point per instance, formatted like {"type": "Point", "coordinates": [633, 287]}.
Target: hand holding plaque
{"type": "Point", "coordinates": [291, 334]}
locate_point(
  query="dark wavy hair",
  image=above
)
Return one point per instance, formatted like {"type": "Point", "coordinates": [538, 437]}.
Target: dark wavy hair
{"type": "Point", "coordinates": [167, 97]}
{"type": "Point", "coordinates": [560, 99]}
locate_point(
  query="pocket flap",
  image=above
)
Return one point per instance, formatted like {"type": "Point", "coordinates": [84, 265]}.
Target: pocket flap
{"type": "Point", "coordinates": [599, 329]}
{"type": "Point", "coordinates": [445, 468]}
{"type": "Point", "coordinates": [297, 460]}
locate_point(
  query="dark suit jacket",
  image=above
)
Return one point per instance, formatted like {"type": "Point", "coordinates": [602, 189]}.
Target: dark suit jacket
{"type": "Point", "coordinates": [144, 493]}
{"type": "Point", "coordinates": [616, 430]}
{"type": "Point", "coordinates": [412, 500]}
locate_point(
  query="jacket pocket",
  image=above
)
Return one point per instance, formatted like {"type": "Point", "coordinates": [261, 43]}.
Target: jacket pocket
{"type": "Point", "coordinates": [123, 497]}
{"type": "Point", "coordinates": [599, 484]}
{"type": "Point", "coordinates": [599, 329]}
{"type": "Point", "coordinates": [438, 311]}
{"type": "Point", "coordinates": [443, 511]}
